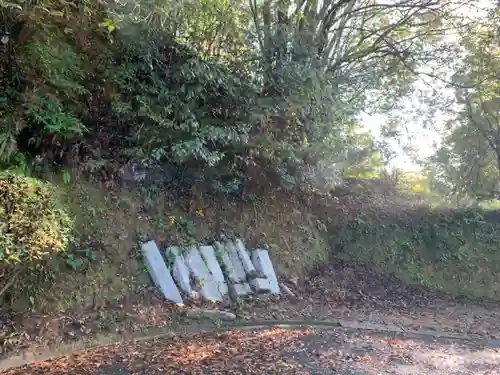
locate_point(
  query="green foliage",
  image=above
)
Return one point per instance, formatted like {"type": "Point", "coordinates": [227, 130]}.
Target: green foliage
{"type": "Point", "coordinates": [452, 250]}
{"type": "Point", "coordinates": [51, 117]}
{"type": "Point", "coordinates": [467, 165]}
{"type": "Point", "coordinates": [45, 71]}
{"type": "Point", "coordinates": [8, 146]}
{"type": "Point", "coordinates": [59, 65]}
{"type": "Point", "coordinates": [76, 260]}
{"type": "Point", "coordinates": [33, 226]}
{"type": "Point", "coordinates": [179, 106]}
{"type": "Point", "coordinates": [33, 223]}
{"type": "Point", "coordinates": [51, 105]}
{"type": "Point", "coordinates": [183, 226]}
{"type": "Point", "coordinates": [249, 86]}
{"type": "Point", "coordinates": [186, 80]}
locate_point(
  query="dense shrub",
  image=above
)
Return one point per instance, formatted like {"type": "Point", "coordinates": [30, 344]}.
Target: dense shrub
{"type": "Point", "coordinates": [33, 225]}
{"type": "Point", "coordinates": [452, 250]}
{"type": "Point", "coordinates": [134, 91]}
{"type": "Point", "coordinates": [175, 105]}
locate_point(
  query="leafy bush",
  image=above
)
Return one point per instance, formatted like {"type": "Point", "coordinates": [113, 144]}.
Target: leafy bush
{"type": "Point", "coordinates": [33, 225]}
{"type": "Point", "coordinates": [150, 97]}
{"type": "Point", "coordinates": [178, 106]}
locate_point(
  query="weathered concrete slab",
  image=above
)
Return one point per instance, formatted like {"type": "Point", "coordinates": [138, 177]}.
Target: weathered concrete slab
{"type": "Point", "coordinates": [160, 273]}
{"type": "Point", "coordinates": [263, 264]}
{"type": "Point", "coordinates": [260, 285]}
{"type": "Point", "coordinates": [245, 259]}
{"type": "Point", "coordinates": [208, 285]}
{"type": "Point", "coordinates": [236, 270]}
{"type": "Point", "coordinates": [239, 290]}
{"type": "Point", "coordinates": [208, 254]}
{"type": "Point", "coordinates": [226, 262]}
{"type": "Point", "coordinates": [238, 286]}
{"type": "Point", "coordinates": [257, 280]}
{"type": "Point", "coordinates": [180, 270]}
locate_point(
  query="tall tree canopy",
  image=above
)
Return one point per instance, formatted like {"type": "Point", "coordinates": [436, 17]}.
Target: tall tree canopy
{"type": "Point", "coordinates": [468, 161]}
{"type": "Point", "coordinates": [278, 82]}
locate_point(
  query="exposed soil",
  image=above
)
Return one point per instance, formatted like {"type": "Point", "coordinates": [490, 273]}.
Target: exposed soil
{"type": "Point", "coordinates": [349, 290]}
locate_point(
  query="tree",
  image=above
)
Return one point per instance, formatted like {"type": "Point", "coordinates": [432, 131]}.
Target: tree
{"type": "Point", "coordinates": [325, 62]}
{"type": "Point", "coordinates": [352, 40]}
{"type": "Point", "coordinates": [468, 162]}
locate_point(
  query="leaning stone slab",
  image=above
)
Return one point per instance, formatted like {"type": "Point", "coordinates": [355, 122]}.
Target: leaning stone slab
{"type": "Point", "coordinates": [208, 254]}
{"type": "Point", "coordinates": [239, 274]}
{"type": "Point", "coordinates": [180, 270]}
{"type": "Point", "coordinates": [238, 287]}
{"type": "Point", "coordinates": [262, 263]}
{"type": "Point", "coordinates": [160, 273]}
{"type": "Point", "coordinates": [260, 285]}
{"type": "Point", "coordinates": [208, 286]}
{"type": "Point", "coordinates": [245, 259]}
{"type": "Point", "coordinates": [226, 263]}
{"type": "Point", "coordinates": [257, 280]}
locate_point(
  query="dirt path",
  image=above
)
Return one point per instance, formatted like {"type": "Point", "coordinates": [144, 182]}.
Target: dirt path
{"type": "Point", "coordinates": [347, 290]}
{"type": "Point", "coordinates": [370, 353]}
{"type": "Point", "coordinates": [341, 291]}
{"type": "Point", "coordinates": [279, 351]}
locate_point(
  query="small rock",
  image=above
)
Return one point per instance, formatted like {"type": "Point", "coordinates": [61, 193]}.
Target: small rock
{"type": "Point", "coordinates": [287, 290]}
{"type": "Point", "coordinates": [195, 295]}
{"type": "Point", "coordinates": [212, 314]}
{"type": "Point", "coordinates": [294, 280]}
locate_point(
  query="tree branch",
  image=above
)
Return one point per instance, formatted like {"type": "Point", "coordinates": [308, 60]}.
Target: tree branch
{"type": "Point", "coordinates": [10, 282]}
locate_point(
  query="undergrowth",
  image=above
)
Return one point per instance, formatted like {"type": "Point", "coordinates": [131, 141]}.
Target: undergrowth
{"type": "Point", "coordinates": [457, 251]}
{"type": "Point", "coordinates": [34, 227]}
{"type": "Point", "coordinates": [159, 119]}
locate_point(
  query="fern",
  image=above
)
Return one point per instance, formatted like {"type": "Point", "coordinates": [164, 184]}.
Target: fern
{"type": "Point", "coordinates": [8, 147]}
{"type": "Point", "coordinates": [50, 115]}
{"type": "Point", "coordinates": [59, 65]}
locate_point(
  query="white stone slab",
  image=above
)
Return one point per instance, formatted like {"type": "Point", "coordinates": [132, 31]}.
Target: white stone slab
{"type": "Point", "coordinates": [160, 273]}
{"type": "Point", "coordinates": [263, 264]}
{"type": "Point", "coordinates": [239, 290]}
{"type": "Point", "coordinates": [260, 285]}
{"type": "Point", "coordinates": [226, 262]}
{"type": "Point", "coordinates": [257, 280]}
{"type": "Point", "coordinates": [180, 270]}
{"type": "Point", "coordinates": [245, 258]}
{"type": "Point", "coordinates": [239, 274]}
{"type": "Point", "coordinates": [208, 254]}
{"type": "Point", "coordinates": [208, 285]}
{"type": "Point", "coordinates": [238, 287]}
